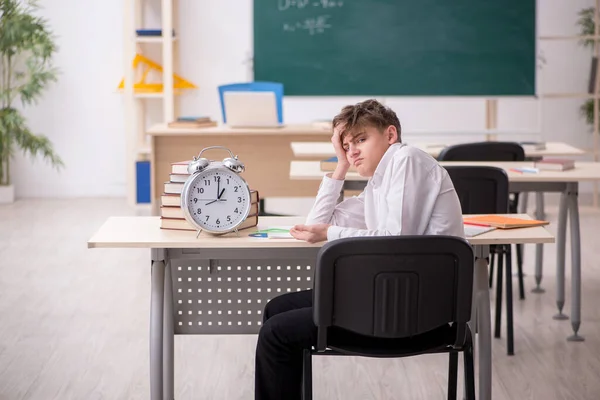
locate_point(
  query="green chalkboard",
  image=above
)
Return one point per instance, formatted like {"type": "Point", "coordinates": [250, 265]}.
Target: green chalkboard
{"type": "Point", "coordinates": [396, 47]}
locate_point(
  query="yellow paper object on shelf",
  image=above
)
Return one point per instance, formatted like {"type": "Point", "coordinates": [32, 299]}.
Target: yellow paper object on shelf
{"type": "Point", "coordinates": [148, 66]}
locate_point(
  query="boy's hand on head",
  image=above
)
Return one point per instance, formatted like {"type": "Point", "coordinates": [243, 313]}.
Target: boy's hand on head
{"type": "Point", "coordinates": [342, 161]}
{"type": "Point", "coordinates": [310, 233]}
{"type": "Point", "coordinates": [336, 139]}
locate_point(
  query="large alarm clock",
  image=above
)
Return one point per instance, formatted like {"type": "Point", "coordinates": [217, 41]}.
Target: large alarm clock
{"type": "Point", "coordinates": [215, 198]}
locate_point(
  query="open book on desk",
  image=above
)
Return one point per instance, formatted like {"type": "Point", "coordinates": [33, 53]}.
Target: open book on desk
{"type": "Point", "coordinates": [502, 222]}
{"type": "Point", "coordinates": [278, 232]}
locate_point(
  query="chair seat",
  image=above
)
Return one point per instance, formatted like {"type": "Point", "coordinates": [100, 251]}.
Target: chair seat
{"type": "Point", "coordinates": [343, 342]}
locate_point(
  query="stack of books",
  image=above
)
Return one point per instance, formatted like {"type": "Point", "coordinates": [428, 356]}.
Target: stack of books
{"type": "Point", "coordinates": [171, 214]}
{"type": "Point", "coordinates": [555, 164]}
{"type": "Point", "coordinates": [192, 122]}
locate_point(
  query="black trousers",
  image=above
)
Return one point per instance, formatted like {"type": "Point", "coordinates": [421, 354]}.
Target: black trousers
{"type": "Point", "coordinates": [287, 330]}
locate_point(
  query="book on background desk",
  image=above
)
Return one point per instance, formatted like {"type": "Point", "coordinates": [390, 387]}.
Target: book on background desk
{"type": "Point", "coordinates": [555, 164]}
{"type": "Point", "coordinates": [191, 124]}
{"type": "Point", "coordinates": [329, 165]}
{"type": "Point", "coordinates": [502, 222]}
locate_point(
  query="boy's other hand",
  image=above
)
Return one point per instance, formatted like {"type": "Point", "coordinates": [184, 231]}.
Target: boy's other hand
{"type": "Point", "coordinates": [310, 233]}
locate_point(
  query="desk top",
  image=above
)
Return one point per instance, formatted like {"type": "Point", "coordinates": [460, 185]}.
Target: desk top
{"type": "Point", "coordinates": [144, 232]}
{"type": "Point", "coordinates": [290, 129]}
{"type": "Point", "coordinates": [583, 171]}
{"type": "Point", "coordinates": [325, 149]}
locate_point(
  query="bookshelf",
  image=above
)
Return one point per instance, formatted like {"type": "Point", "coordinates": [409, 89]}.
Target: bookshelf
{"type": "Point", "coordinates": [595, 151]}
{"type": "Point", "coordinates": [135, 103]}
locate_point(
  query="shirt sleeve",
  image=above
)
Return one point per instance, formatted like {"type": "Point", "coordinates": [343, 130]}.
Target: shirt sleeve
{"type": "Point", "coordinates": [326, 210]}
{"type": "Point", "coordinates": [412, 193]}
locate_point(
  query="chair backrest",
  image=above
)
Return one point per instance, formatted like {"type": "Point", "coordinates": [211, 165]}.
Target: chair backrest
{"type": "Point", "coordinates": [392, 286]}
{"type": "Point", "coordinates": [481, 190]}
{"type": "Point", "coordinates": [254, 87]}
{"type": "Point", "coordinates": [483, 151]}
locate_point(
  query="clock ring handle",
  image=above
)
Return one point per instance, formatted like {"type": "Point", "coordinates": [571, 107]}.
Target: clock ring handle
{"type": "Point", "coordinates": [216, 147]}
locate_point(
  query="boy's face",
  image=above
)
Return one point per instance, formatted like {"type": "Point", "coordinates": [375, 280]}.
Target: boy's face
{"type": "Point", "coordinates": [365, 146]}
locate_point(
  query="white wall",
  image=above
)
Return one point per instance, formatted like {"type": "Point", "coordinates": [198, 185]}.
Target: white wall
{"type": "Point", "coordinates": [83, 115]}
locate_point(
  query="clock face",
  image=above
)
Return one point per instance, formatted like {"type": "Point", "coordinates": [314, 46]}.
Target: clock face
{"type": "Point", "coordinates": [217, 199]}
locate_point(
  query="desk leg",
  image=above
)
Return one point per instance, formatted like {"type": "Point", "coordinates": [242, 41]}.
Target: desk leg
{"type": "Point", "coordinates": [481, 297]}
{"type": "Point", "coordinates": [539, 248]}
{"type": "Point", "coordinates": [575, 264]}
{"type": "Point", "coordinates": [168, 338]}
{"type": "Point", "coordinates": [561, 237]}
{"type": "Point", "coordinates": [156, 324]}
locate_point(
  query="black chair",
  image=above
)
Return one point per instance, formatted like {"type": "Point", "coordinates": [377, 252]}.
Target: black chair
{"type": "Point", "coordinates": [394, 296]}
{"type": "Point", "coordinates": [493, 151]}
{"type": "Point", "coordinates": [484, 190]}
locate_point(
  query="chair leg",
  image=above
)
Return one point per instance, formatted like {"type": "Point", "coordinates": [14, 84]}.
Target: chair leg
{"type": "Point", "coordinates": [499, 286]}
{"type": "Point", "coordinates": [520, 271]}
{"type": "Point", "coordinates": [469, 368]}
{"type": "Point", "coordinates": [491, 268]}
{"type": "Point", "coordinates": [509, 306]}
{"type": "Point", "coordinates": [452, 375]}
{"type": "Point", "coordinates": [306, 375]}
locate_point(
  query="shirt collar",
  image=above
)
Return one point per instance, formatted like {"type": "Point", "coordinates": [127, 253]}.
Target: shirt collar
{"type": "Point", "coordinates": [385, 160]}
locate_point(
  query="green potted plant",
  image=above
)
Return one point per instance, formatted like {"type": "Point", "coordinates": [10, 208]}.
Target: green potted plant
{"type": "Point", "coordinates": [26, 50]}
{"type": "Point", "coordinates": [587, 28]}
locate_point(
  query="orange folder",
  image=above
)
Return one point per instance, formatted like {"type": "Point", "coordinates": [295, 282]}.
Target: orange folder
{"type": "Point", "coordinates": [503, 222]}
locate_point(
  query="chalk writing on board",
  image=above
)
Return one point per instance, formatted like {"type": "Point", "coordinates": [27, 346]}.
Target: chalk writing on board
{"type": "Point", "coordinates": [283, 5]}
{"type": "Point", "coordinates": [313, 26]}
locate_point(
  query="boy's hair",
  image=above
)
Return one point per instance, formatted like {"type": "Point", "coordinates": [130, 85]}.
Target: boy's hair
{"type": "Point", "coordinates": [367, 113]}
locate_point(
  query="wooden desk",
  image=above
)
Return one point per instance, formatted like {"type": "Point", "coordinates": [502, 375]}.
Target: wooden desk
{"type": "Point", "coordinates": [265, 152]}
{"type": "Point", "coordinates": [564, 182]}
{"type": "Point", "coordinates": [219, 285]}
{"type": "Point", "coordinates": [322, 150]}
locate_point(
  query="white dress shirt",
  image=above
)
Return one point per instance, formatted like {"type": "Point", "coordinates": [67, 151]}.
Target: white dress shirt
{"type": "Point", "coordinates": [409, 194]}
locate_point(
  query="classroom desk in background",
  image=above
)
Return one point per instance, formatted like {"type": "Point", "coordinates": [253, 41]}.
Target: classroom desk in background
{"type": "Point", "coordinates": [220, 285]}
{"type": "Point", "coordinates": [266, 152]}
{"type": "Point", "coordinates": [322, 150]}
{"type": "Point", "coordinates": [564, 182]}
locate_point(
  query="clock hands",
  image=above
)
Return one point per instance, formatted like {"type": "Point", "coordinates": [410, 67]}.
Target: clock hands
{"type": "Point", "coordinates": [210, 202]}
{"type": "Point", "coordinates": [219, 194]}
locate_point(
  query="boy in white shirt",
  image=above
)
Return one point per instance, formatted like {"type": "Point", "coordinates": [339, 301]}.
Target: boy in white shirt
{"type": "Point", "coordinates": [408, 193]}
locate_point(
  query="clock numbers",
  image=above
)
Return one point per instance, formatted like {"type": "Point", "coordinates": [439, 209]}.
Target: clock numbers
{"type": "Point", "coordinates": [218, 200]}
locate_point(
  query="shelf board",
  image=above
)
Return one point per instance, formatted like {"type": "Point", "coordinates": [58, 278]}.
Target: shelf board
{"type": "Point", "coordinates": [150, 95]}
{"type": "Point", "coordinates": [143, 151]}
{"type": "Point", "coordinates": [150, 39]}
